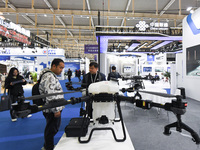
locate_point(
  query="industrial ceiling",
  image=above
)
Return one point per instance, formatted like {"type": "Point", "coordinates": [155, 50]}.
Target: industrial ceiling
{"type": "Point", "coordinates": [69, 24]}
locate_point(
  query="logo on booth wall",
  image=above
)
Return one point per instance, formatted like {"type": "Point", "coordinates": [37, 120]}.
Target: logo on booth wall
{"type": "Point", "coordinates": [192, 26]}
{"type": "Point", "coordinates": [44, 51]}
{"type": "Point", "coordinates": [142, 26]}
{"type": "Point", "coordinates": [50, 52]}
{"type": "Point", "coordinates": [4, 51]}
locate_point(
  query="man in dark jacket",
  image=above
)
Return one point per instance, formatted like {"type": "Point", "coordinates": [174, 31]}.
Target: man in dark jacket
{"type": "Point", "coordinates": [93, 76]}
{"type": "Point", "coordinates": [69, 74]}
{"type": "Point", "coordinates": [113, 74]}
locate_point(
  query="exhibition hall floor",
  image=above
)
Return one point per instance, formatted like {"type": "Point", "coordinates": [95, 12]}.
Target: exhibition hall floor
{"type": "Point", "coordinates": [145, 127]}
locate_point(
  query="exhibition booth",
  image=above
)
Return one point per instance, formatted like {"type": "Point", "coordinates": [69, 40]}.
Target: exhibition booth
{"type": "Point", "coordinates": [187, 64]}
{"type": "Point", "coordinates": [30, 60]}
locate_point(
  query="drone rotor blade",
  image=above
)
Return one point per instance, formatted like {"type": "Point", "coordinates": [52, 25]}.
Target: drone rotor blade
{"type": "Point", "coordinates": [158, 94]}
{"type": "Point", "coordinates": [46, 95]}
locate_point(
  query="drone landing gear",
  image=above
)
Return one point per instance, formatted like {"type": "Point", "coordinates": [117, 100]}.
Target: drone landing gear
{"type": "Point", "coordinates": [106, 128]}
{"type": "Point", "coordinates": [179, 126]}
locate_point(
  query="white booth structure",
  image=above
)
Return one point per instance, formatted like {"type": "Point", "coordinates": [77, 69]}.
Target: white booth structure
{"type": "Point", "coordinates": [190, 59]}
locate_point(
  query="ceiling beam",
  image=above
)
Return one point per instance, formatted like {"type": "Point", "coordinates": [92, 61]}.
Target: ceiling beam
{"type": "Point", "coordinates": [83, 37]}
{"type": "Point", "coordinates": [90, 13]}
{"type": "Point", "coordinates": [49, 5]}
{"type": "Point", "coordinates": [133, 6]}
{"type": "Point", "coordinates": [179, 7]}
{"type": "Point", "coordinates": [7, 3]}
{"type": "Point", "coordinates": [127, 7]}
{"type": "Point", "coordinates": [61, 27]}
{"type": "Point", "coordinates": [28, 19]}
{"type": "Point", "coordinates": [88, 4]}
{"type": "Point", "coordinates": [167, 7]}
{"type": "Point", "coordinates": [58, 17]}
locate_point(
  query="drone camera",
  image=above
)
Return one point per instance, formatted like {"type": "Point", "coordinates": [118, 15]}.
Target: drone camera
{"type": "Point", "coordinates": [103, 119]}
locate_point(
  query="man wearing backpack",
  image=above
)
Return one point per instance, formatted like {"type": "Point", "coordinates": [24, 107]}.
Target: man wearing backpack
{"type": "Point", "coordinates": [50, 84]}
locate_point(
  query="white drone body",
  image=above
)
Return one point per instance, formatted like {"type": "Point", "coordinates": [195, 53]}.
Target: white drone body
{"type": "Point", "coordinates": [104, 108]}
{"type": "Point", "coordinates": [110, 87]}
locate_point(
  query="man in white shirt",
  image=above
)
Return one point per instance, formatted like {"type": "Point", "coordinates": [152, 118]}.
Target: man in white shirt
{"type": "Point", "coordinates": [50, 84]}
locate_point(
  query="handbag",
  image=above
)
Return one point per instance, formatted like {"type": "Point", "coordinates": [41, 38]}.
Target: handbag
{"type": "Point", "coordinates": [5, 103]}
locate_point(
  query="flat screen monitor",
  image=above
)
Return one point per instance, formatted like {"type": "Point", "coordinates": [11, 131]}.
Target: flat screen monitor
{"type": "Point", "coordinates": [193, 61]}
{"type": "Point", "coordinates": [147, 69]}
{"type": "Point", "coordinates": [158, 69]}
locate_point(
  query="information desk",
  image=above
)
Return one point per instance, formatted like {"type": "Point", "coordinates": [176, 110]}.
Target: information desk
{"type": "Point", "coordinates": [100, 140]}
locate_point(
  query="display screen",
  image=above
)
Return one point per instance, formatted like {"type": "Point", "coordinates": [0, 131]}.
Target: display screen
{"type": "Point", "coordinates": [193, 61]}
{"type": "Point", "coordinates": [158, 69]}
{"type": "Point", "coordinates": [147, 69]}
{"type": "Point", "coordinates": [128, 68]}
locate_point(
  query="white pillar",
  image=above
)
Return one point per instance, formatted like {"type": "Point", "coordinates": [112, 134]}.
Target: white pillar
{"type": "Point", "coordinates": [173, 78]}
{"type": "Point", "coordinates": [103, 65]}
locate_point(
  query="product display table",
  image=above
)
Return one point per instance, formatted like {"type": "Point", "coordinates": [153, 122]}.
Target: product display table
{"type": "Point", "coordinates": [100, 140]}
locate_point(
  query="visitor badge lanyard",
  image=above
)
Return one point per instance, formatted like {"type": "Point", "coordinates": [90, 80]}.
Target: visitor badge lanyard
{"type": "Point", "coordinates": [94, 78]}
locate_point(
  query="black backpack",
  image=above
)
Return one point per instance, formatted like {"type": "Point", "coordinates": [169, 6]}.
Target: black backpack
{"type": "Point", "coordinates": [35, 91]}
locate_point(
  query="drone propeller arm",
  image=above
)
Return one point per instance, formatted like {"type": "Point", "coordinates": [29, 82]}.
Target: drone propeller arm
{"type": "Point", "coordinates": [56, 103]}
{"type": "Point", "coordinates": [62, 102]}
{"type": "Point", "coordinates": [125, 98]}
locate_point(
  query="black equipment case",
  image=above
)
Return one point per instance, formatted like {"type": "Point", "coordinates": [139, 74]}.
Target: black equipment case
{"type": "Point", "coordinates": [73, 129]}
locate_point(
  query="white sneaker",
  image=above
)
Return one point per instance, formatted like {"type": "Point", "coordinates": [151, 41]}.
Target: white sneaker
{"type": "Point", "coordinates": [13, 120]}
{"type": "Point", "coordinates": [29, 116]}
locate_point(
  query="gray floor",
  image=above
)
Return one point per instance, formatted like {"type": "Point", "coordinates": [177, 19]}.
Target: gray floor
{"type": "Point", "coordinates": [146, 128]}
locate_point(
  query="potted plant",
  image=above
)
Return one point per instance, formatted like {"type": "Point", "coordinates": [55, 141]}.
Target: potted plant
{"type": "Point", "coordinates": [34, 76]}
{"type": "Point", "coordinates": [167, 76]}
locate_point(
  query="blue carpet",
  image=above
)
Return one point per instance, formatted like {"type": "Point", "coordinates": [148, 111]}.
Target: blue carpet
{"type": "Point", "coordinates": [28, 133]}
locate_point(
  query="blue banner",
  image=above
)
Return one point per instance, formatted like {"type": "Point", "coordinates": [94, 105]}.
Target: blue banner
{"type": "Point", "coordinates": [4, 58]}
{"type": "Point", "coordinates": [27, 58]}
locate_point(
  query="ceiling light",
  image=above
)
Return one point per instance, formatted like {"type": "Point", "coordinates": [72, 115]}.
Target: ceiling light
{"type": "Point", "coordinates": [189, 8]}
{"type": "Point", "coordinates": [192, 11]}
{"type": "Point", "coordinates": [45, 15]}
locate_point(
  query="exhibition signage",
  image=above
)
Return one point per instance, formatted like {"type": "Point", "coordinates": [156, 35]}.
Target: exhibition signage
{"type": "Point", "coordinates": [4, 58]}
{"type": "Point", "coordinates": [13, 31]}
{"type": "Point", "coordinates": [15, 27]}
{"type": "Point", "coordinates": [91, 49]}
{"type": "Point", "coordinates": [26, 58]}
{"type": "Point", "coordinates": [159, 26]}
{"type": "Point", "coordinates": [13, 35]}
{"type": "Point", "coordinates": [31, 52]}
